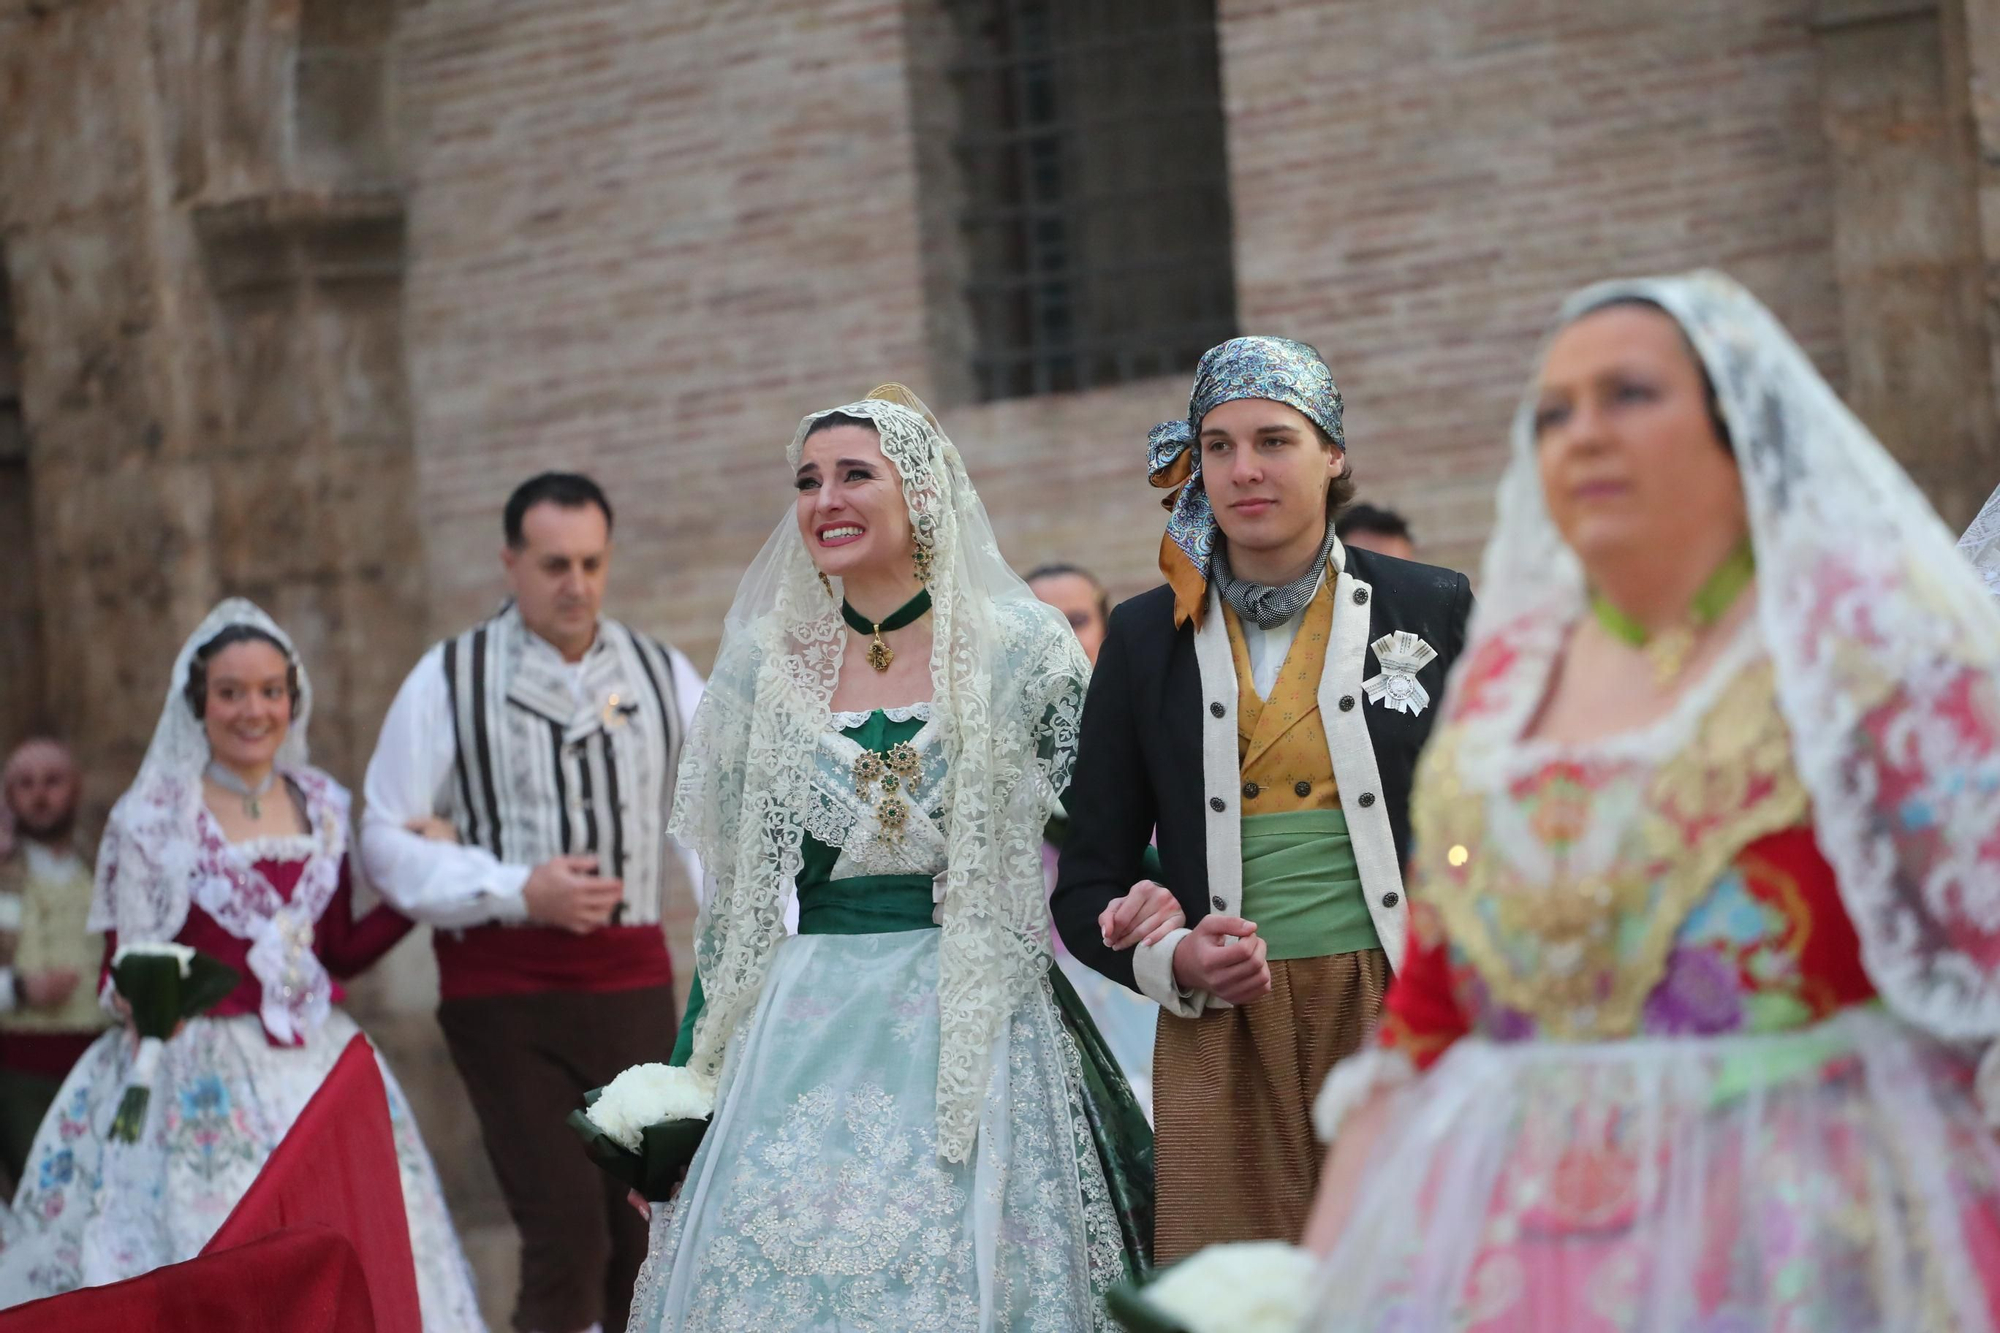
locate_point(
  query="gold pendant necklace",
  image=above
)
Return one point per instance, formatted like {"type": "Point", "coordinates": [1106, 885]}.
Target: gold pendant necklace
{"type": "Point", "coordinates": [880, 656]}
{"type": "Point", "coordinates": [1669, 654]}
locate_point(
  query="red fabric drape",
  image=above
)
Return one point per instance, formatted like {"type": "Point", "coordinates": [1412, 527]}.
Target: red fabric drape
{"type": "Point", "coordinates": [337, 1168]}
{"type": "Point", "coordinates": [304, 1279]}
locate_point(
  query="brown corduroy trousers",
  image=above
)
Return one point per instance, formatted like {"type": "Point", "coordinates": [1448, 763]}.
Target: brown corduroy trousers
{"type": "Point", "coordinates": [1233, 1147]}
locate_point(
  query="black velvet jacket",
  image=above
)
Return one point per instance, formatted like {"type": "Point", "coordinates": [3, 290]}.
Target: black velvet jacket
{"type": "Point", "coordinates": [1140, 763]}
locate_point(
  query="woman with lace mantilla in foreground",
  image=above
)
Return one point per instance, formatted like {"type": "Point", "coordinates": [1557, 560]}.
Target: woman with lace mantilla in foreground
{"type": "Point", "coordinates": [916, 1127]}
{"type": "Point", "coordinates": [1981, 543]}
{"type": "Point", "coordinates": [229, 842]}
{"type": "Point", "coordinates": [1708, 944]}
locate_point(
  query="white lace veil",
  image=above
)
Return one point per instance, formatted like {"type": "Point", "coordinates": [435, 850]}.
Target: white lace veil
{"type": "Point", "coordinates": [145, 866]}
{"type": "Point", "coordinates": [1886, 650]}
{"type": "Point", "coordinates": [1981, 543]}
{"type": "Point", "coordinates": [1007, 680]}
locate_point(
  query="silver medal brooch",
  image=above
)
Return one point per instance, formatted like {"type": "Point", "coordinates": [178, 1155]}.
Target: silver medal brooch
{"type": "Point", "coordinates": [1402, 655]}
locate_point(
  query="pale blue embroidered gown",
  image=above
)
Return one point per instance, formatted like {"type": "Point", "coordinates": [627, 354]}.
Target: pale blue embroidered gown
{"type": "Point", "coordinates": [818, 1200]}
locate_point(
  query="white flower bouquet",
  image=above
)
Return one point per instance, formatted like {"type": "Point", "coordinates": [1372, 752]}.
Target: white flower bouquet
{"type": "Point", "coordinates": [1253, 1287]}
{"type": "Point", "coordinates": [644, 1126]}
{"type": "Point", "coordinates": [163, 985]}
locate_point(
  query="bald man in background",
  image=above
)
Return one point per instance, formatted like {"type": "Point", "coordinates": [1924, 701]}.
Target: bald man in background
{"type": "Point", "coordinates": [49, 1014]}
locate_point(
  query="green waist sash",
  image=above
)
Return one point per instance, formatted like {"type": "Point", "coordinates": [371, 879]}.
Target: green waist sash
{"type": "Point", "coordinates": [863, 905]}
{"type": "Point", "coordinates": [866, 905]}
{"type": "Point", "coordinates": [1301, 886]}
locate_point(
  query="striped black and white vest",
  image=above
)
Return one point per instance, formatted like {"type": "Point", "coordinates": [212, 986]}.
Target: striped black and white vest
{"type": "Point", "coordinates": [550, 764]}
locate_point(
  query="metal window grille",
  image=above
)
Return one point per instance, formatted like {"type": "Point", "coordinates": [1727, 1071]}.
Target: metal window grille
{"type": "Point", "coordinates": [1097, 190]}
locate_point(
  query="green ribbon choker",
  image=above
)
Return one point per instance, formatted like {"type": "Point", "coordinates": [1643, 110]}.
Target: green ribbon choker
{"type": "Point", "coordinates": [879, 656]}
{"type": "Point", "coordinates": [1669, 649]}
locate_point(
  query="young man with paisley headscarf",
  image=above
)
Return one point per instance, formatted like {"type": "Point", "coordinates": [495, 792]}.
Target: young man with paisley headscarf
{"type": "Point", "coordinates": [1263, 711]}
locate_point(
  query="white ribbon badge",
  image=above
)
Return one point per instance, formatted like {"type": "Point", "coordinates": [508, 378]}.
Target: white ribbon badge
{"type": "Point", "coordinates": [1402, 655]}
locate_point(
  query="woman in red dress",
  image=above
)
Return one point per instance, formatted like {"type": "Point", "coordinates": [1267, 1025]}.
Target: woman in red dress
{"type": "Point", "coordinates": [230, 842]}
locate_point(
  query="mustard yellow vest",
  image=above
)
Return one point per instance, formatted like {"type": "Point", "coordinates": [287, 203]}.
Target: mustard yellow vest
{"type": "Point", "coordinates": [1300, 883]}
{"type": "Point", "coordinates": [1280, 742]}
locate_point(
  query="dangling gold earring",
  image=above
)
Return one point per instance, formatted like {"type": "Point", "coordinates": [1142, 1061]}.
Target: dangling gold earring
{"type": "Point", "coordinates": [922, 560]}
{"type": "Point", "coordinates": [826, 583]}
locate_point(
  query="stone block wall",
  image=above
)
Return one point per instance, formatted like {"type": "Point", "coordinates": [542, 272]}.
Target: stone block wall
{"type": "Point", "coordinates": [1417, 187]}
{"type": "Point", "coordinates": [208, 324]}
{"type": "Point", "coordinates": [22, 690]}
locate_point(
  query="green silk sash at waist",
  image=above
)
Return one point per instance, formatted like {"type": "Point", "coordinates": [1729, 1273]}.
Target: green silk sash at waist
{"type": "Point", "coordinates": [1301, 886]}
{"type": "Point", "coordinates": [866, 905]}
{"type": "Point", "coordinates": [863, 905]}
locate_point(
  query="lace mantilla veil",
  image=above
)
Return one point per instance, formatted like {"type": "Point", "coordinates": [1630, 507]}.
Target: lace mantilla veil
{"type": "Point", "coordinates": [1007, 680]}
{"type": "Point", "coordinates": [161, 851]}
{"type": "Point", "coordinates": [1885, 645]}
{"type": "Point", "coordinates": [1981, 543]}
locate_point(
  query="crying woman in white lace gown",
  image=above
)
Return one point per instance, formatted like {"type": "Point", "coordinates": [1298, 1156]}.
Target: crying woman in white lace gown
{"type": "Point", "coordinates": [916, 1127]}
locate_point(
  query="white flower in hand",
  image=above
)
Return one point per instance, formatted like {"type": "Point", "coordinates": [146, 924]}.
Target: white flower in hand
{"type": "Point", "coordinates": [180, 953]}
{"type": "Point", "coordinates": [646, 1095]}
{"type": "Point", "coordinates": [1254, 1287]}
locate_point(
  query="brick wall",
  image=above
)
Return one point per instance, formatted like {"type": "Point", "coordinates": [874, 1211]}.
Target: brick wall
{"type": "Point", "coordinates": [1418, 186]}
{"type": "Point", "coordinates": [644, 240]}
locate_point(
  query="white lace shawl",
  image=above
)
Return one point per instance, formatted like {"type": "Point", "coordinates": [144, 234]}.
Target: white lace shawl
{"type": "Point", "coordinates": [163, 850]}
{"type": "Point", "coordinates": [1981, 543]}
{"type": "Point", "coordinates": [1885, 645]}
{"type": "Point", "coordinates": [1007, 680]}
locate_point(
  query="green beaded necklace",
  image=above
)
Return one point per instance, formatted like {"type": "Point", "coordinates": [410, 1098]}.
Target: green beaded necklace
{"type": "Point", "coordinates": [1669, 651]}
{"type": "Point", "coordinates": [908, 613]}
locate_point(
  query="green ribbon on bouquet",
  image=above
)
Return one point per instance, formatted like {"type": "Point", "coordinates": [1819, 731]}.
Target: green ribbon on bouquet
{"type": "Point", "coordinates": [163, 985]}
{"type": "Point", "coordinates": [665, 1149]}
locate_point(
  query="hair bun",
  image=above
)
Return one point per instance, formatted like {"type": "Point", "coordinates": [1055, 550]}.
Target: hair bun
{"type": "Point", "coordinates": [903, 396]}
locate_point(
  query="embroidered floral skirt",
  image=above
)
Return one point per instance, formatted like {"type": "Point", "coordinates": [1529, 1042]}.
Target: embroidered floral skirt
{"type": "Point", "coordinates": [818, 1201]}
{"type": "Point", "coordinates": [90, 1211]}
{"type": "Point", "coordinates": [1832, 1180]}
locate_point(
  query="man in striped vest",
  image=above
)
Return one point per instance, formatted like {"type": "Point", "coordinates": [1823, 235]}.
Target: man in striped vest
{"type": "Point", "coordinates": [547, 738]}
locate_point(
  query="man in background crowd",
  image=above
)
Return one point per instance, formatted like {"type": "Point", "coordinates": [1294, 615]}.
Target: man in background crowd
{"type": "Point", "coordinates": [1076, 593]}
{"type": "Point", "coordinates": [548, 738]}
{"type": "Point", "coordinates": [1372, 528]}
{"type": "Point", "coordinates": [49, 1012]}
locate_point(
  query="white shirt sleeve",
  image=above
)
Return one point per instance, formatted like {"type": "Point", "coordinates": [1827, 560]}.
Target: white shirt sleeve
{"type": "Point", "coordinates": [687, 697]}
{"type": "Point", "coordinates": [441, 883]}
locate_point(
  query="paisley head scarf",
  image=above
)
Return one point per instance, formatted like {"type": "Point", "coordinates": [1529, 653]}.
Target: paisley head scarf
{"type": "Point", "coordinates": [1278, 369]}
